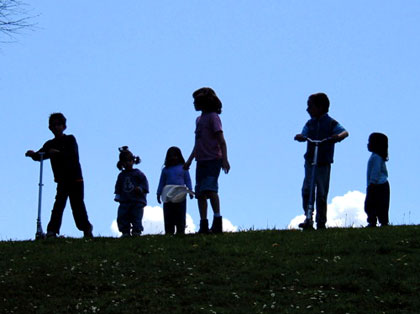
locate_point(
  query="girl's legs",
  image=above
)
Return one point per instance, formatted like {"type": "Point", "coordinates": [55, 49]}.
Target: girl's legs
{"type": "Point", "coordinates": [137, 211]}
{"type": "Point", "coordinates": [202, 206]}
{"type": "Point", "coordinates": [168, 218]}
{"type": "Point", "coordinates": [180, 217]}
{"type": "Point", "coordinates": [123, 219]}
{"type": "Point", "coordinates": [217, 219]}
{"type": "Point", "coordinates": [372, 204]}
{"type": "Point", "coordinates": [383, 203]}
{"type": "Point", "coordinates": [215, 202]}
{"type": "Point", "coordinates": [207, 173]}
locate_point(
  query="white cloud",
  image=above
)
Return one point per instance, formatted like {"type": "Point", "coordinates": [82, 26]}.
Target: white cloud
{"type": "Point", "coordinates": [296, 221]}
{"type": "Point", "coordinates": [228, 226]}
{"type": "Point", "coordinates": [344, 211]}
{"type": "Point", "coordinates": [153, 220]}
{"type": "Point", "coordinates": [153, 223]}
{"type": "Point", "coordinates": [114, 229]}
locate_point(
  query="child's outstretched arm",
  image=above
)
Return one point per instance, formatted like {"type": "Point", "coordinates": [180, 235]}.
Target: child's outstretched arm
{"type": "Point", "coordinates": [36, 156]}
{"type": "Point", "coordinates": [162, 183]}
{"type": "Point", "coordinates": [223, 146]}
{"type": "Point", "coordinates": [189, 160]}
{"type": "Point", "coordinates": [340, 136]}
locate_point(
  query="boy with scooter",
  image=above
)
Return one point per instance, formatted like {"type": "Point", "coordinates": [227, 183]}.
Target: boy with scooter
{"type": "Point", "coordinates": [63, 153]}
{"type": "Point", "coordinates": [321, 132]}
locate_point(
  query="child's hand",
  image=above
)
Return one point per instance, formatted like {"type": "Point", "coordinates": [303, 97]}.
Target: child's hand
{"type": "Point", "coordinates": [30, 153]}
{"type": "Point", "coordinates": [187, 165]}
{"type": "Point", "coordinates": [225, 166]}
{"type": "Point", "coordinates": [137, 190]}
{"type": "Point", "coordinates": [300, 138]}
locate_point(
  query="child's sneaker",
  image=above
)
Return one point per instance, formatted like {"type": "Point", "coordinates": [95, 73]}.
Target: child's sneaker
{"type": "Point", "coordinates": [306, 225]}
{"type": "Point", "coordinates": [51, 235]}
{"type": "Point", "coordinates": [88, 233]}
{"type": "Point", "coordinates": [217, 226]}
{"type": "Point", "coordinates": [204, 226]}
{"type": "Point", "coordinates": [320, 226]}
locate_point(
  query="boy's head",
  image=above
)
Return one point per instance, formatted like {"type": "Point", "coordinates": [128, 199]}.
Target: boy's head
{"type": "Point", "coordinates": [57, 123]}
{"type": "Point", "coordinates": [206, 100]}
{"type": "Point", "coordinates": [318, 105]}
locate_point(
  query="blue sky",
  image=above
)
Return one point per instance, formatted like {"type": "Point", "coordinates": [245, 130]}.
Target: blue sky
{"type": "Point", "coordinates": [123, 74]}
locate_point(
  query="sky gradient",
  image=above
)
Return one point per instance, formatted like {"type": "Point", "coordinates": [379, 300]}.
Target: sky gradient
{"type": "Point", "coordinates": [123, 74]}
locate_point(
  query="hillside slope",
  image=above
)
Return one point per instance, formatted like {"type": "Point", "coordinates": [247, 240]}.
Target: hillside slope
{"type": "Point", "coordinates": [331, 271]}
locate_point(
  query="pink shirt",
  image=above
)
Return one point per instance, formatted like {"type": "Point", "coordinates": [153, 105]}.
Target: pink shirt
{"type": "Point", "coordinates": [206, 145]}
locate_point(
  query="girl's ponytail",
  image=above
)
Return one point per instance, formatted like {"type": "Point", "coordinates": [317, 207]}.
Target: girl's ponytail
{"type": "Point", "coordinates": [126, 155]}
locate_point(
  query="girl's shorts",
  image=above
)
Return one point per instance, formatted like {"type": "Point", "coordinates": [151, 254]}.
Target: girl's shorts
{"type": "Point", "coordinates": [207, 175]}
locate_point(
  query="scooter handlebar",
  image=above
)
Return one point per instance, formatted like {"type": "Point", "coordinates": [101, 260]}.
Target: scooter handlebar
{"type": "Point", "coordinates": [318, 141]}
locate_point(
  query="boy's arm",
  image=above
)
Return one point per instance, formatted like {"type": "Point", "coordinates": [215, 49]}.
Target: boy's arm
{"type": "Point", "coordinates": [301, 137]}
{"type": "Point", "coordinates": [339, 133]}
{"type": "Point", "coordinates": [37, 156]}
{"type": "Point", "coordinates": [223, 147]}
{"type": "Point", "coordinates": [340, 136]}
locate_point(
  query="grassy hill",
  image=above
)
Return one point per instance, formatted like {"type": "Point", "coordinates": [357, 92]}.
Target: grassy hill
{"type": "Point", "coordinates": [331, 271]}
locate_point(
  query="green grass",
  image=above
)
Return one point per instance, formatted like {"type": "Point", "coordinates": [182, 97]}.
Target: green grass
{"type": "Point", "coordinates": [331, 271]}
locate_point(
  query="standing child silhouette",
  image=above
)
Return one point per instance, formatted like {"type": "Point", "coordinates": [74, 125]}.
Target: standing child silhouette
{"type": "Point", "coordinates": [130, 191]}
{"type": "Point", "coordinates": [321, 126]}
{"type": "Point", "coordinates": [176, 182]}
{"type": "Point", "coordinates": [210, 152]}
{"type": "Point", "coordinates": [378, 191]}
{"type": "Point", "coordinates": [63, 153]}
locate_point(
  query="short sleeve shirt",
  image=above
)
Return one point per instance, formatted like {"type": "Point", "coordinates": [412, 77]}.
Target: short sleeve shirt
{"type": "Point", "coordinates": [376, 170]}
{"type": "Point", "coordinates": [206, 145]}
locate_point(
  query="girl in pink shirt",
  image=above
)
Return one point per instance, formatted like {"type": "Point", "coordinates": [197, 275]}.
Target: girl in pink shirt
{"type": "Point", "coordinates": [210, 152]}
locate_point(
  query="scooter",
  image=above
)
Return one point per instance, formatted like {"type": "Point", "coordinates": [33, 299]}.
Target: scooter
{"type": "Point", "coordinates": [39, 233]}
{"type": "Point", "coordinates": [308, 223]}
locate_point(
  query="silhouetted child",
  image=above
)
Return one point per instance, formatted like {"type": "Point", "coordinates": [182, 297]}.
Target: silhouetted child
{"type": "Point", "coordinates": [63, 153]}
{"type": "Point", "coordinates": [174, 185]}
{"type": "Point", "coordinates": [130, 191]}
{"type": "Point", "coordinates": [210, 152]}
{"type": "Point", "coordinates": [378, 192]}
{"type": "Point", "coordinates": [320, 126]}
